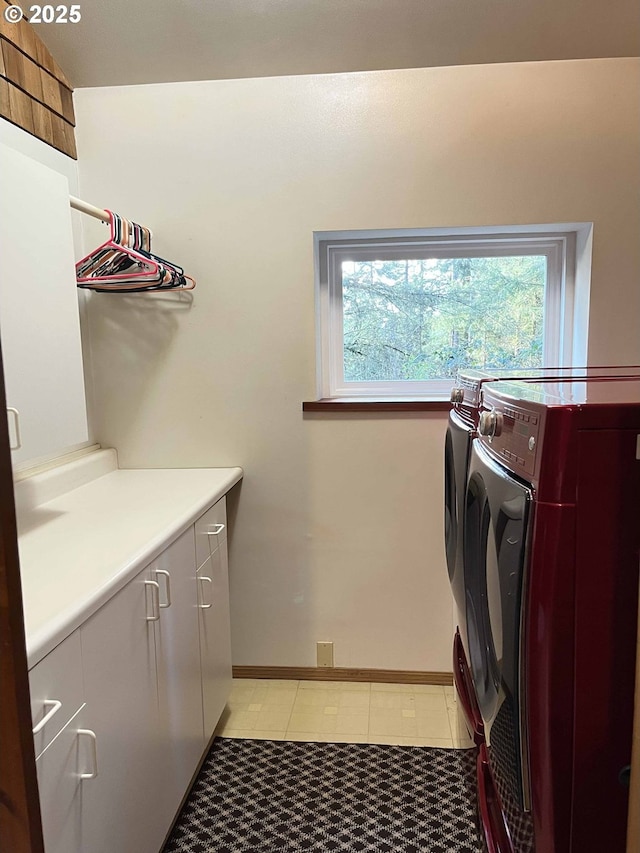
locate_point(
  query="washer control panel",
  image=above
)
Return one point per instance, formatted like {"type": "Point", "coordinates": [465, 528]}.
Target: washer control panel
{"type": "Point", "coordinates": [512, 433]}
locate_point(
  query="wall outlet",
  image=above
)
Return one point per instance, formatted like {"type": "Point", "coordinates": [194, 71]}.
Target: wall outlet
{"type": "Point", "coordinates": [324, 654]}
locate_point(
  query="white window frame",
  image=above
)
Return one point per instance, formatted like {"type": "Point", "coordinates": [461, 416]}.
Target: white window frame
{"type": "Point", "coordinates": [564, 343]}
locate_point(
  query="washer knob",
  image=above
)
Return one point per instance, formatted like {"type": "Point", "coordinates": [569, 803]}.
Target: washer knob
{"type": "Point", "coordinates": [490, 423]}
{"type": "Point", "coordinates": [457, 395]}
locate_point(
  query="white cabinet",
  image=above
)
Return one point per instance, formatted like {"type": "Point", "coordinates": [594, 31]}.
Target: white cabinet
{"type": "Point", "coordinates": [124, 708]}
{"type": "Point", "coordinates": [57, 691]}
{"type": "Point", "coordinates": [62, 753]}
{"type": "Point", "coordinates": [120, 807]}
{"type": "Point", "coordinates": [213, 612]}
{"type": "Point", "coordinates": [39, 320]}
{"type": "Point", "coordinates": [178, 667]}
{"type": "Point", "coordinates": [62, 769]}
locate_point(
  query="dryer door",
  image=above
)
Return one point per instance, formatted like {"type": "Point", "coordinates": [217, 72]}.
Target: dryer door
{"type": "Point", "coordinates": [498, 514]}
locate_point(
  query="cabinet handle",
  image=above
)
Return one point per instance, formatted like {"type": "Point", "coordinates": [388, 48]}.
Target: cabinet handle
{"type": "Point", "coordinates": [55, 707]}
{"type": "Point", "coordinates": [217, 531]}
{"type": "Point", "coordinates": [16, 424]}
{"type": "Point", "coordinates": [167, 588]}
{"type": "Point", "coordinates": [94, 754]}
{"type": "Point", "coordinates": [204, 579]}
{"type": "Point", "coordinates": [155, 598]}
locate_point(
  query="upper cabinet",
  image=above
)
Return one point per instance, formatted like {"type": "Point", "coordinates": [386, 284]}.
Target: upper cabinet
{"type": "Point", "coordinates": [39, 318]}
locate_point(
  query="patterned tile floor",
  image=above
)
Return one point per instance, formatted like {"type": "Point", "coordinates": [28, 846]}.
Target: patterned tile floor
{"type": "Point", "coordinates": [343, 712]}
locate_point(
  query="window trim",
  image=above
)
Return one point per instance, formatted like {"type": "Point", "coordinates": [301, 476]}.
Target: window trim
{"type": "Point", "coordinates": [564, 344]}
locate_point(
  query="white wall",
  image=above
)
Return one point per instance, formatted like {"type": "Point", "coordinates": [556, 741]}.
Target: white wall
{"type": "Point", "coordinates": [338, 534]}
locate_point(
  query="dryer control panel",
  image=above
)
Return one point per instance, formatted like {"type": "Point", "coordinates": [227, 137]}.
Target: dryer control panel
{"type": "Point", "coordinates": [512, 433]}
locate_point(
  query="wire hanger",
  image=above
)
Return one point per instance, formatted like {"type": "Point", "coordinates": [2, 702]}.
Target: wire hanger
{"type": "Point", "coordinates": [125, 263]}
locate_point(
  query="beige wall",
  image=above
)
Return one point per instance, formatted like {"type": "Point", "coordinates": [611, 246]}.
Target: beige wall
{"type": "Point", "coordinates": [338, 534]}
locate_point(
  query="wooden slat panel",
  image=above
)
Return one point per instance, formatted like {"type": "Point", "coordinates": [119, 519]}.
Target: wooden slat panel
{"type": "Point", "coordinates": [51, 92]}
{"type": "Point", "coordinates": [67, 105]}
{"type": "Point", "coordinates": [20, 111]}
{"type": "Point", "coordinates": [33, 87]}
{"type": "Point", "coordinates": [21, 34]}
{"type": "Point", "coordinates": [5, 109]}
{"type": "Point", "coordinates": [6, 29]}
{"type": "Point", "coordinates": [19, 69]}
{"type": "Point", "coordinates": [36, 119]}
{"type": "Point", "coordinates": [12, 61]}
{"type": "Point", "coordinates": [59, 74]}
{"type": "Point", "coordinates": [42, 123]}
{"type": "Point", "coordinates": [31, 82]}
{"type": "Point", "coordinates": [69, 140]}
{"type": "Point", "coordinates": [9, 31]}
{"type": "Point", "coordinates": [24, 37]}
{"type": "Point", "coordinates": [28, 38]}
{"type": "Point", "coordinates": [63, 137]}
{"type": "Point", "coordinates": [312, 673]}
{"type": "Point", "coordinates": [44, 58]}
{"type": "Point", "coordinates": [59, 138]}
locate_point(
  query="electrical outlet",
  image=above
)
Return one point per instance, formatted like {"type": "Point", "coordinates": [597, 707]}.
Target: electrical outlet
{"type": "Point", "coordinates": [324, 654]}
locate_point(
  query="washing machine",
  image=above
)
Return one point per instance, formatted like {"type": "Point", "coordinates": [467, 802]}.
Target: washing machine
{"type": "Point", "coordinates": [551, 547]}
{"type": "Point", "coordinates": [461, 430]}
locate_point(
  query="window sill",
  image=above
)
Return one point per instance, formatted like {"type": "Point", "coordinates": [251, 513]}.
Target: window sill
{"type": "Point", "coordinates": [376, 405]}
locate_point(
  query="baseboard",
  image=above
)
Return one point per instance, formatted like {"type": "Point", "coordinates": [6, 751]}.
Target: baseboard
{"type": "Point", "coordinates": [326, 673]}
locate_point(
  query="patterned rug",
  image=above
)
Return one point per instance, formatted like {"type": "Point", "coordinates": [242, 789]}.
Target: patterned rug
{"type": "Point", "coordinates": [257, 796]}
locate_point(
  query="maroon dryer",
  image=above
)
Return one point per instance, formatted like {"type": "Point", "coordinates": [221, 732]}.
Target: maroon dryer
{"type": "Point", "coordinates": [551, 545]}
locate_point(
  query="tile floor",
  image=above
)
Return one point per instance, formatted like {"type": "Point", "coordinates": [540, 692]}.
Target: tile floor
{"type": "Point", "coordinates": [344, 711]}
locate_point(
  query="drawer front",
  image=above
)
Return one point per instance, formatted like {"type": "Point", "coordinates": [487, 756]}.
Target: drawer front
{"type": "Point", "coordinates": [210, 529]}
{"type": "Point", "coordinates": [57, 690]}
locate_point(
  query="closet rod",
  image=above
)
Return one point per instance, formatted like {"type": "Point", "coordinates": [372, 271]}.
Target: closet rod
{"type": "Point", "coordinates": [84, 207]}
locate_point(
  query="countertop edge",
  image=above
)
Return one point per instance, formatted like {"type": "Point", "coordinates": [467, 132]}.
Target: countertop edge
{"type": "Point", "coordinates": [40, 643]}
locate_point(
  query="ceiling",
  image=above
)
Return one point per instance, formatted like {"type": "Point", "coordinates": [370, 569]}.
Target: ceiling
{"type": "Point", "coordinates": [121, 42]}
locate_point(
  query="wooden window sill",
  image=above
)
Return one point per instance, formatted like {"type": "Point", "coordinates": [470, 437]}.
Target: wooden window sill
{"type": "Point", "coordinates": [395, 405]}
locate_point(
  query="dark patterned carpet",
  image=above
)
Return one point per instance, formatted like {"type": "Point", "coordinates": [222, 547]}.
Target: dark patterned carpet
{"type": "Point", "coordinates": [257, 796]}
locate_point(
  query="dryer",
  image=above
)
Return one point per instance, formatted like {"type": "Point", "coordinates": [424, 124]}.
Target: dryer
{"type": "Point", "coordinates": [461, 430]}
{"type": "Point", "coordinates": [552, 542]}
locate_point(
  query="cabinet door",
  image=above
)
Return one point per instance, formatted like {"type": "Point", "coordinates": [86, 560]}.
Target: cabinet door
{"type": "Point", "coordinates": [61, 787]}
{"type": "Point", "coordinates": [215, 636]}
{"type": "Point", "coordinates": [178, 664]}
{"type": "Point", "coordinates": [119, 808]}
{"type": "Point", "coordinates": [39, 318]}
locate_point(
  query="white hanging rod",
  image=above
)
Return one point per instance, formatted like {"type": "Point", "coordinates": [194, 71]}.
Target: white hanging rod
{"type": "Point", "coordinates": [84, 207]}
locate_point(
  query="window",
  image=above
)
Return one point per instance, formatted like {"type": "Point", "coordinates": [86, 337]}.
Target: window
{"type": "Point", "coordinates": [399, 314]}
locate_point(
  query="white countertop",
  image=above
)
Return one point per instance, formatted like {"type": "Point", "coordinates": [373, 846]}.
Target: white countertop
{"type": "Point", "coordinates": [79, 548]}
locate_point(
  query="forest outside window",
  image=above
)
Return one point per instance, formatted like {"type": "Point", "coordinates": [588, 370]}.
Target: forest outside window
{"type": "Point", "coordinates": [399, 314]}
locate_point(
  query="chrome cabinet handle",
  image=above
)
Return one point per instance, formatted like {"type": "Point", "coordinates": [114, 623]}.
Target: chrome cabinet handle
{"type": "Point", "coordinates": [219, 529]}
{"type": "Point", "coordinates": [94, 751]}
{"type": "Point", "coordinates": [204, 579]}
{"type": "Point", "coordinates": [167, 586]}
{"type": "Point", "coordinates": [55, 707]}
{"type": "Point", "coordinates": [155, 598]}
{"type": "Point", "coordinates": [16, 424]}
